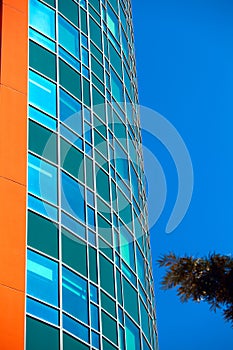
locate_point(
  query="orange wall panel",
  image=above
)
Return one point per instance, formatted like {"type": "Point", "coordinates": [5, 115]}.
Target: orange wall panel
{"type": "Point", "coordinates": [13, 163]}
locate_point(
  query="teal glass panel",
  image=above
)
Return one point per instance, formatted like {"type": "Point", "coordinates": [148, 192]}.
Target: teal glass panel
{"type": "Point", "coordinates": [130, 300]}
{"type": "Point", "coordinates": [42, 278]}
{"type": "Point", "coordinates": [95, 33]}
{"type": "Point", "coordinates": [75, 298]}
{"type": "Point", "coordinates": [42, 141]}
{"type": "Point", "coordinates": [72, 197]}
{"type": "Point", "coordinates": [42, 311]}
{"type": "Point", "coordinates": [68, 37]}
{"type": "Point", "coordinates": [41, 336]}
{"type": "Point", "coordinates": [69, 9]}
{"type": "Point", "coordinates": [117, 87]}
{"type": "Point", "coordinates": [93, 264]}
{"type": "Point", "coordinates": [108, 304]}
{"type": "Point", "coordinates": [70, 79]}
{"type": "Point", "coordinates": [112, 21]}
{"type": "Point", "coordinates": [42, 60]}
{"type": "Point", "coordinates": [83, 20]}
{"type": "Point", "coordinates": [127, 247]}
{"type": "Point", "coordinates": [42, 93]}
{"type": "Point", "coordinates": [74, 252]}
{"type": "Point", "coordinates": [144, 320]}
{"type": "Point", "coordinates": [42, 18]}
{"type": "Point", "coordinates": [102, 184]}
{"type": "Point", "coordinates": [124, 207]}
{"type": "Point", "coordinates": [109, 327]}
{"type": "Point", "coordinates": [132, 335]}
{"type": "Point", "coordinates": [70, 343]}
{"type": "Point", "coordinates": [42, 234]}
{"type": "Point", "coordinates": [70, 112]}
{"type": "Point", "coordinates": [72, 160]}
{"type": "Point", "coordinates": [106, 275]}
{"type": "Point", "coordinates": [42, 179]}
{"type": "Point", "coordinates": [115, 60]}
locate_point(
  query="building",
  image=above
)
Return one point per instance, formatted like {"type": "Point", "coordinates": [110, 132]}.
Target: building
{"type": "Point", "coordinates": [75, 252]}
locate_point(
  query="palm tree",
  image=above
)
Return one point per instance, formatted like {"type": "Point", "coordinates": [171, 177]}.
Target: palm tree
{"type": "Point", "coordinates": [208, 279]}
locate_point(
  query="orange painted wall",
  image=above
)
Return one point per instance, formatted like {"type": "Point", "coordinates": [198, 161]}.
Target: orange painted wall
{"type": "Point", "coordinates": [13, 155]}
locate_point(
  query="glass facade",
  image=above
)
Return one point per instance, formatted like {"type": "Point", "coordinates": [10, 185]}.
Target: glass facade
{"type": "Point", "coordinates": [89, 273]}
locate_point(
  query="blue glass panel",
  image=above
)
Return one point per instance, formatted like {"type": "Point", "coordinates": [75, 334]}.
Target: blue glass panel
{"type": "Point", "coordinates": [42, 179]}
{"type": "Point", "coordinates": [93, 293]}
{"type": "Point", "coordinates": [70, 112]}
{"type": "Point", "coordinates": [42, 311]}
{"type": "Point", "coordinates": [94, 317]}
{"type": "Point", "coordinates": [42, 118]}
{"type": "Point", "coordinates": [95, 340]}
{"type": "Point", "coordinates": [42, 18]}
{"type": "Point", "coordinates": [42, 278]}
{"type": "Point", "coordinates": [132, 335]}
{"type": "Point", "coordinates": [91, 217]}
{"type": "Point", "coordinates": [128, 273]}
{"type": "Point", "coordinates": [85, 57]}
{"type": "Point", "coordinates": [68, 37]}
{"type": "Point", "coordinates": [42, 93]}
{"type": "Point", "coordinates": [42, 207]}
{"type": "Point", "coordinates": [68, 58]}
{"type": "Point", "coordinates": [76, 328]}
{"type": "Point", "coordinates": [73, 225]}
{"type": "Point", "coordinates": [122, 339]}
{"type": "Point", "coordinates": [75, 298]}
{"type": "Point", "coordinates": [41, 39]}
{"type": "Point", "coordinates": [72, 197]}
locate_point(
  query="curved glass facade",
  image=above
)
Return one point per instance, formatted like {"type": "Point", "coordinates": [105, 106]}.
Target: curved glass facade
{"type": "Point", "coordinates": [89, 274]}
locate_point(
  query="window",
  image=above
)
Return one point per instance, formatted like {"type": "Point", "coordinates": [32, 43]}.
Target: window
{"type": "Point", "coordinates": [74, 295]}
{"type": "Point", "coordinates": [127, 247]}
{"type": "Point", "coordinates": [69, 9]}
{"type": "Point", "coordinates": [42, 141]}
{"type": "Point", "coordinates": [75, 328]}
{"type": "Point", "coordinates": [130, 300]}
{"type": "Point", "coordinates": [70, 79]}
{"type": "Point", "coordinates": [41, 336]}
{"type": "Point", "coordinates": [42, 179]}
{"type": "Point", "coordinates": [74, 252]}
{"type": "Point", "coordinates": [42, 278]}
{"type": "Point", "coordinates": [68, 37]}
{"type": "Point", "coordinates": [42, 93]}
{"type": "Point", "coordinates": [42, 234]}
{"type": "Point", "coordinates": [109, 327]}
{"type": "Point", "coordinates": [42, 60]}
{"type": "Point", "coordinates": [42, 18]}
{"type": "Point", "coordinates": [106, 275]}
{"type": "Point", "coordinates": [72, 197]}
{"type": "Point", "coordinates": [72, 160]}
{"type": "Point", "coordinates": [70, 112]}
{"type": "Point", "coordinates": [132, 335]}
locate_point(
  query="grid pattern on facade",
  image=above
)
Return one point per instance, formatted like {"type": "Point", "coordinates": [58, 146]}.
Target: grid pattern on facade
{"type": "Point", "coordinates": [89, 277]}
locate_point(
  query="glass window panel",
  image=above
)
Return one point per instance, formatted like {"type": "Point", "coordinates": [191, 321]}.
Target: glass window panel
{"type": "Point", "coordinates": [127, 247]}
{"type": "Point", "coordinates": [68, 37]}
{"type": "Point", "coordinates": [42, 278]}
{"type": "Point", "coordinates": [41, 336]}
{"type": "Point", "coordinates": [42, 40]}
{"type": "Point", "coordinates": [72, 197]}
{"type": "Point", "coordinates": [94, 293]}
{"type": "Point", "coordinates": [70, 112]}
{"type": "Point", "coordinates": [42, 118]}
{"type": "Point", "coordinates": [75, 328]}
{"type": "Point", "coordinates": [117, 87]}
{"type": "Point", "coordinates": [94, 317]}
{"type": "Point", "coordinates": [72, 160]}
{"type": "Point", "coordinates": [115, 60]}
{"type": "Point", "coordinates": [42, 93]}
{"type": "Point", "coordinates": [124, 208]}
{"type": "Point", "coordinates": [42, 311]}
{"type": "Point", "coordinates": [42, 60]}
{"type": "Point", "coordinates": [74, 252]}
{"type": "Point", "coordinates": [68, 58]}
{"type": "Point", "coordinates": [108, 304]}
{"type": "Point", "coordinates": [95, 340]}
{"type": "Point", "coordinates": [73, 225]}
{"type": "Point", "coordinates": [130, 300]}
{"type": "Point", "coordinates": [95, 33]}
{"type": "Point", "coordinates": [75, 298]}
{"type": "Point", "coordinates": [106, 275]}
{"type": "Point", "coordinates": [69, 9]}
{"type": "Point", "coordinates": [42, 18]}
{"type": "Point", "coordinates": [70, 79]}
{"type": "Point", "coordinates": [93, 264]}
{"type": "Point", "coordinates": [42, 141]}
{"type": "Point", "coordinates": [42, 234]}
{"type": "Point", "coordinates": [42, 179]}
{"type": "Point", "coordinates": [109, 327]}
{"type": "Point", "coordinates": [112, 21]}
{"type": "Point", "coordinates": [83, 20]}
{"type": "Point", "coordinates": [144, 320]}
{"type": "Point", "coordinates": [42, 207]}
{"type": "Point", "coordinates": [132, 335]}
{"type": "Point", "coordinates": [102, 184]}
{"type": "Point", "coordinates": [69, 343]}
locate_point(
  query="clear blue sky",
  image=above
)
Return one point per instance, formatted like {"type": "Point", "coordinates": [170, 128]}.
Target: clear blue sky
{"type": "Point", "coordinates": [184, 52]}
